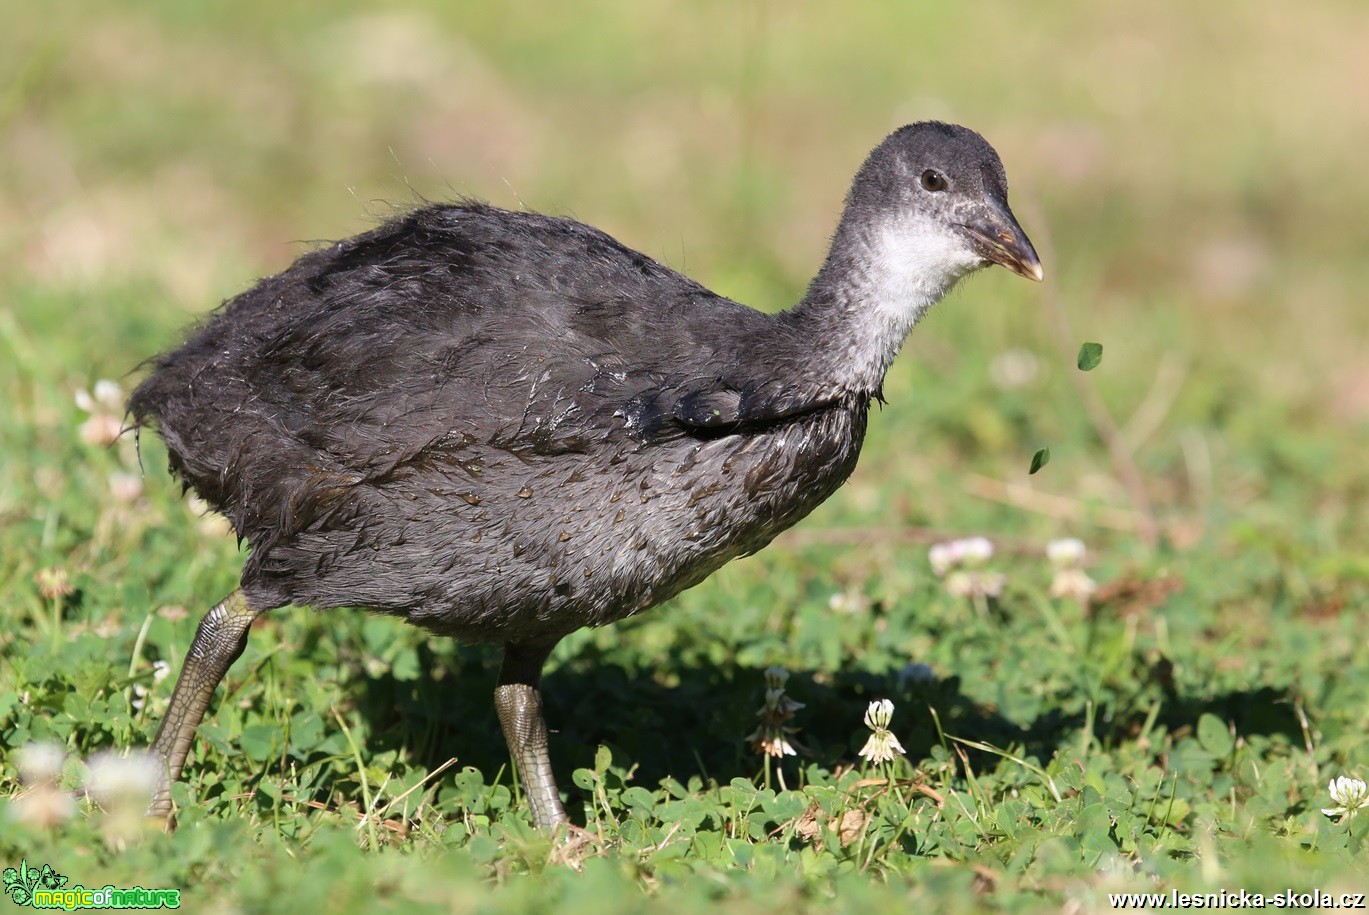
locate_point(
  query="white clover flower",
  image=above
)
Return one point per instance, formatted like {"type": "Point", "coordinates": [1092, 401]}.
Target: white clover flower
{"type": "Point", "coordinates": [975, 584]}
{"type": "Point", "coordinates": [879, 714]}
{"type": "Point", "coordinates": [990, 584]}
{"type": "Point", "coordinates": [160, 670]}
{"type": "Point", "coordinates": [1067, 553]}
{"type": "Point", "coordinates": [40, 762]}
{"type": "Point", "coordinates": [943, 557]}
{"type": "Point", "coordinates": [126, 487]}
{"type": "Point", "coordinates": [53, 583]}
{"type": "Point", "coordinates": [882, 746]}
{"type": "Point", "coordinates": [776, 677]}
{"type": "Point", "coordinates": [976, 551]}
{"type": "Point", "coordinates": [1350, 793]}
{"type": "Point", "coordinates": [1067, 558]}
{"type": "Point", "coordinates": [107, 395]}
{"type": "Point", "coordinates": [118, 781]}
{"type": "Point", "coordinates": [1074, 583]}
{"type": "Point", "coordinates": [102, 429]}
{"type": "Point", "coordinates": [848, 602]}
{"type": "Point", "coordinates": [961, 563]}
{"type": "Point", "coordinates": [43, 807]}
{"type": "Point", "coordinates": [122, 786]}
{"type": "Point", "coordinates": [771, 736]}
{"type": "Point", "coordinates": [105, 407]}
{"type": "Point", "coordinates": [971, 551]}
{"type": "Point", "coordinates": [772, 741]}
{"type": "Point", "coordinates": [777, 701]}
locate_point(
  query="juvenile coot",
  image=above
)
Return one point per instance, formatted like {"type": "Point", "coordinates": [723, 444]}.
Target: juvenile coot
{"type": "Point", "coordinates": [504, 426]}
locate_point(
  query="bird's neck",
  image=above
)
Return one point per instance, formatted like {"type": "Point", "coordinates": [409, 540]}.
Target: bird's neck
{"type": "Point", "coordinates": [879, 279]}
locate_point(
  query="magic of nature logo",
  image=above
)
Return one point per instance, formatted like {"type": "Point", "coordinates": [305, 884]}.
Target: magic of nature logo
{"type": "Point", "coordinates": [44, 888]}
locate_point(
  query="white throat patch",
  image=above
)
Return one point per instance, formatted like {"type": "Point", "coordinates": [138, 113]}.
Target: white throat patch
{"type": "Point", "coordinates": [912, 263]}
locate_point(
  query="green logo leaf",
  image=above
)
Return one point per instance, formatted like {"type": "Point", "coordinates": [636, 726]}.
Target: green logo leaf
{"type": "Point", "coordinates": [20, 884]}
{"type": "Point", "coordinates": [1090, 354]}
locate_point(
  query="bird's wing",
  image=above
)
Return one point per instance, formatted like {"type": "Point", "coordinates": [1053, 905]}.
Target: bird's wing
{"type": "Point", "coordinates": [445, 338]}
{"type": "Point", "coordinates": [727, 407]}
{"type": "Point", "coordinates": [465, 327]}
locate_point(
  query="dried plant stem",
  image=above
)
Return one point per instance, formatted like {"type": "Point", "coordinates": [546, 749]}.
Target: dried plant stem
{"type": "Point", "coordinates": [1148, 417]}
{"type": "Point", "coordinates": [1046, 503]}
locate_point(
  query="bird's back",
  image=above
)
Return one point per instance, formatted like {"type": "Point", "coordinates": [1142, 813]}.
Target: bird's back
{"type": "Point", "coordinates": [495, 424]}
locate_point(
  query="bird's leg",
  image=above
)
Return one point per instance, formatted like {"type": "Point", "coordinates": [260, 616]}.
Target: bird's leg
{"type": "Point", "coordinates": [218, 643]}
{"type": "Point", "coordinates": [518, 699]}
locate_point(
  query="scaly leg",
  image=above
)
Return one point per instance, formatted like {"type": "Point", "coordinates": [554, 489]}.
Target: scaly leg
{"type": "Point", "coordinates": [518, 700]}
{"type": "Point", "coordinates": [219, 641]}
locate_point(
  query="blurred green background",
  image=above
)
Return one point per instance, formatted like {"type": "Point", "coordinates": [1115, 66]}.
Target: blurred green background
{"type": "Point", "coordinates": [1195, 172]}
{"type": "Point", "coordinates": [1194, 175]}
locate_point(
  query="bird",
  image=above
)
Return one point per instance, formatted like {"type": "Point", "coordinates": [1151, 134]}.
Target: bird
{"type": "Point", "coordinates": [503, 426]}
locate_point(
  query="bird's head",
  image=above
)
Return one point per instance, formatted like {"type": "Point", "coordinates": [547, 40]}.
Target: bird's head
{"type": "Point", "coordinates": [936, 197]}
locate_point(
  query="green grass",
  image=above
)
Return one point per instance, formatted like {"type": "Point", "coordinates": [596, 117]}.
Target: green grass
{"type": "Point", "coordinates": [1197, 176]}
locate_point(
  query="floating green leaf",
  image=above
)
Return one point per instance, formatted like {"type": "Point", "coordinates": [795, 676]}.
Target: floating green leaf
{"type": "Point", "coordinates": [1040, 459]}
{"type": "Point", "coordinates": [1090, 354]}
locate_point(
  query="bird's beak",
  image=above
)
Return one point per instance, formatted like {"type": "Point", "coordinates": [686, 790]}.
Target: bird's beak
{"type": "Point", "coordinates": [999, 239]}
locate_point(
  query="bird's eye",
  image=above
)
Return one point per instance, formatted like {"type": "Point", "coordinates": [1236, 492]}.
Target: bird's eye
{"type": "Point", "coordinates": [934, 181]}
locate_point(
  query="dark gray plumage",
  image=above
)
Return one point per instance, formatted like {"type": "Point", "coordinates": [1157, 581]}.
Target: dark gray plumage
{"type": "Point", "coordinates": [505, 426]}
